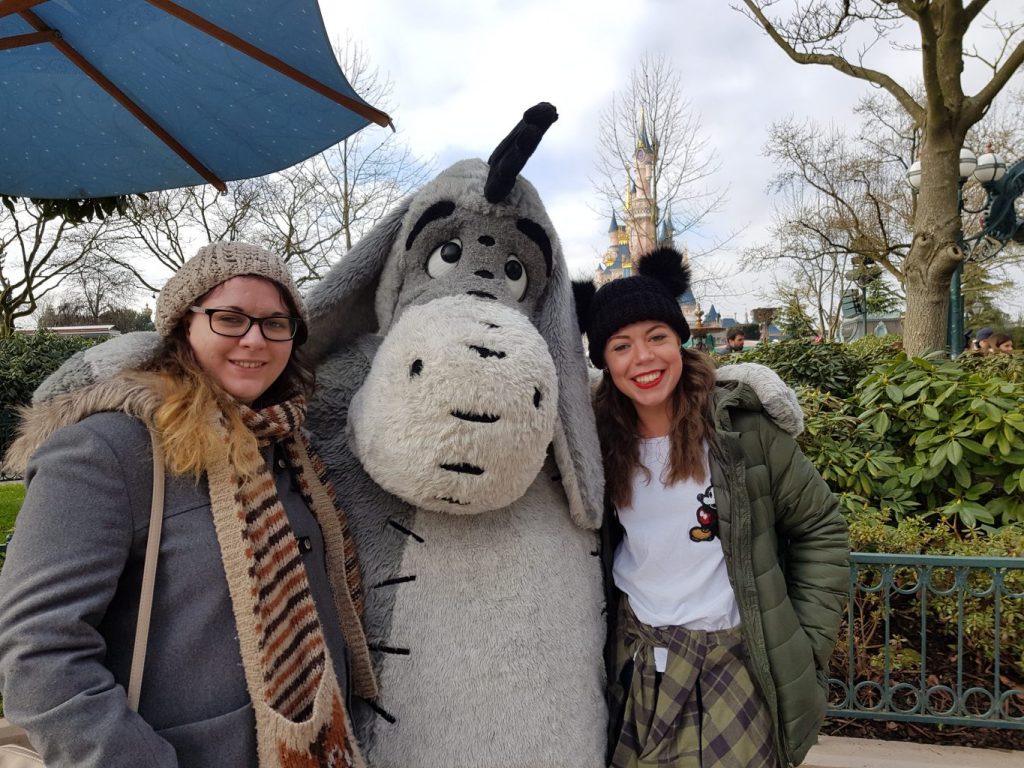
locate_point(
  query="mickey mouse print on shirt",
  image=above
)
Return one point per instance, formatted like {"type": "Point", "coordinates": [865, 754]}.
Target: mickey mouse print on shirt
{"type": "Point", "coordinates": [707, 517]}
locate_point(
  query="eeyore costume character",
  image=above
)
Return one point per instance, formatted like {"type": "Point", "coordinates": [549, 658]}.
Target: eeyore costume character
{"type": "Point", "coordinates": [450, 362]}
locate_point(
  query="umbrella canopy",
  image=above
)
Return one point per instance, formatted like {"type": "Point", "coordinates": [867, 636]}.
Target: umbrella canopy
{"type": "Point", "coordinates": [112, 97]}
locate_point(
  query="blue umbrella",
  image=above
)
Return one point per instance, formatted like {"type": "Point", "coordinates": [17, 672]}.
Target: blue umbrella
{"type": "Point", "coordinates": [113, 97]}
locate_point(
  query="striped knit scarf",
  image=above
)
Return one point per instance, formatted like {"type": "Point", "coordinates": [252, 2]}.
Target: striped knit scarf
{"type": "Point", "coordinates": [300, 712]}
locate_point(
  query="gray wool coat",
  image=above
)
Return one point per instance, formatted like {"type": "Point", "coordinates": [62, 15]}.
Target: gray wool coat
{"type": "Point", "coordinates": [69, 595]}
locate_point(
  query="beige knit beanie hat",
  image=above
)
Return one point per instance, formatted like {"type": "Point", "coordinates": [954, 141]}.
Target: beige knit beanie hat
{"type": "Point", "coordinates": [211, 266]}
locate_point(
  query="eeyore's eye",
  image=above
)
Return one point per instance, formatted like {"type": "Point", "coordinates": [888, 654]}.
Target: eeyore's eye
{"type": "Point", "coordinates": [516, 278]}
{"type": "Point", "coordinates": [444, 258]}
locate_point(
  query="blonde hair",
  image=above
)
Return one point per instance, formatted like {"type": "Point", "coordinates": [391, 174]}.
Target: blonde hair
{"type": "Point", "coordinates": [191, 404]}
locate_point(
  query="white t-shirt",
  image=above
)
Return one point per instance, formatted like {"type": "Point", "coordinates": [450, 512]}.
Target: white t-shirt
{"type": "Point", "coordinates": [670, 561]}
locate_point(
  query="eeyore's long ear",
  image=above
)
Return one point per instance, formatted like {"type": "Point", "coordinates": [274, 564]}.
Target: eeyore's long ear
{"type": "Point", "coordinates": [341, 306]}
{"type": "Point", "coordinates": [577, 450]}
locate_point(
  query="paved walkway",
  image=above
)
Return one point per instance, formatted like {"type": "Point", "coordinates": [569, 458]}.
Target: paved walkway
{"type": "Point", "coordinates": [838, 752]}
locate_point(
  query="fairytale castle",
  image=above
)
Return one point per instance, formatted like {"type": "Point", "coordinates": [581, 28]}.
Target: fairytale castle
{"type": "Point", "coordinates": [638, 234]}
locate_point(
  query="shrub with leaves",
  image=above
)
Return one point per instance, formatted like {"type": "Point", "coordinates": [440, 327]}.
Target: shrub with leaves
{"type": "Point", "coordinates": [824, 365]}
{"type": "Point", "coordinates": [958, 434]}
{"type": "Point", "coordinates": [869, 351]}
{"type": "Point", "coordinates": [860, 466]}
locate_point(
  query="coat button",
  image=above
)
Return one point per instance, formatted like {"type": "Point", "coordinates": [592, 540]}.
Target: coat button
{"type": "Point", "coordinates": [281, 464]}
{"type": "Point", "coordinates": [305, 545]}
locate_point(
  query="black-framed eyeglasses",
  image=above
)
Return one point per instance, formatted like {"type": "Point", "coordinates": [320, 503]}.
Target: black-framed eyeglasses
{"type": "Point", "coordinates": [230, 322]}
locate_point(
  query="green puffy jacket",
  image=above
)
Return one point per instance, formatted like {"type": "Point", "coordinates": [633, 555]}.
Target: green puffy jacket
{"type": "Point", "coordinates": [787, 554]}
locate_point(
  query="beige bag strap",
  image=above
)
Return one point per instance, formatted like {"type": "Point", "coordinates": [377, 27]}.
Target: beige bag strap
{"type": "Point", "coordinates": [156, 520]}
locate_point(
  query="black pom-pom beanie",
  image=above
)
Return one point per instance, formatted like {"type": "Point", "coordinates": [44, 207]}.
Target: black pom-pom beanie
{"type": "Point", "coordinates": [650, 295]}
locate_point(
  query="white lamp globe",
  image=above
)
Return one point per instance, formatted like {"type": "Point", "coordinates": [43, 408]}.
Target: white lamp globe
{"type": "Point", "coordinates": [968, 162]}
{"type": "Point", "coordinates": [991, 167]}
{"type": "Point", "coordinates": [914, 174]}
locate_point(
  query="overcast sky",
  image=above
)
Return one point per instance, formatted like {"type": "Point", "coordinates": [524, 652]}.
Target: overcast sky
{"type": "Point", "coordinates": [464, 71]}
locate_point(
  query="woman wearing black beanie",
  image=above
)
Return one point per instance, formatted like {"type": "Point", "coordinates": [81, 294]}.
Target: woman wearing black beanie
{"type": "Point", "coordinates": [725, 553]}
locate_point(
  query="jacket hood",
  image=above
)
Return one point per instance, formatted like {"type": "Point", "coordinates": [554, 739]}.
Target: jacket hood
{"type": "Point", "coordinates": [757, 388]}
{"type": "Point", "coordinates": [134, 393]}
{"type": "Point", "coordinates": [736, 395]}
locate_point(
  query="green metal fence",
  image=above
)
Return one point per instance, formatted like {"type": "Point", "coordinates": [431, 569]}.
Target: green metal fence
{"type": "Point", "coordinates": [909, 621]}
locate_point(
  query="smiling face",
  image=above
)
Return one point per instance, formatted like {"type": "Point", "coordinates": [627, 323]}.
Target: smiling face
{"type": "Point", "coordinates": [244, 366]}
{"type": "Point", "coordinates": [645, 364]}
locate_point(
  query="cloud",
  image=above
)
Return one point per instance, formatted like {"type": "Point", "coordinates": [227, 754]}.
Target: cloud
{"type": "Point", "coordinates": [465, 71]}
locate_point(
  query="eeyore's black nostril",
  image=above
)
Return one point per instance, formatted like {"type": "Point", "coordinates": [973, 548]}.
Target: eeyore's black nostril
{"type": "Point", "coordinates": [484, 352]}
{"type": "Point", "coordinates": [537, 397]}
{"type": "Point", "coordinates": [416, 368]}
{"type": "Point", "coordinates": [484, 273]}
{"type": "Point", "coordinates": [485, 240]}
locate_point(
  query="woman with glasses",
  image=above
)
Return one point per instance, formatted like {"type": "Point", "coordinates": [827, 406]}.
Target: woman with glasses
{"type": "Point", "coordinates": [255, 643]}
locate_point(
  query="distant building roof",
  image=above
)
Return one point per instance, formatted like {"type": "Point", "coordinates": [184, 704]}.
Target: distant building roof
{"type": "Point", "coordinates": [614, 226]}
{"type": "Point", "coordinates": [85, 331]}
{"type": "Point", "coordinates": [713, 315]}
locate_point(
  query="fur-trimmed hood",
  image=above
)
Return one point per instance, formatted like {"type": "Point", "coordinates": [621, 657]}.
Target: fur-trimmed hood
{"type": "Point", "coordinates": [132, 392]}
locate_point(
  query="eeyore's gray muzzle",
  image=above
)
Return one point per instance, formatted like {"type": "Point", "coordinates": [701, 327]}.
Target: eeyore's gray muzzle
{"type": "Point", "coordinates": [458, 408]}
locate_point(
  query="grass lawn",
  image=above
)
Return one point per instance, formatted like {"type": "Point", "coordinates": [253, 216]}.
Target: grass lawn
{"type": "Point", "coordinates": [11, 496]}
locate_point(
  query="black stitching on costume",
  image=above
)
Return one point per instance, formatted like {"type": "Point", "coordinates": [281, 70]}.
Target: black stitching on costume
{"type": "Point", "coordinates": [395, 580]}
{"type": "Point", "coordinates": [537, 397]}
{"type": "Point", "coordinates": [450, 500]}
{"type": "Point", "coordinates": [399, 527]}
{"type": "Point", "coordinates": [382, 712]}
{"type": "Point", "coordinates": [482, 295]}
{"type": "Point", "coordinates": [489, 325]}
{"type": "Point", "coordinates": [389, 649]}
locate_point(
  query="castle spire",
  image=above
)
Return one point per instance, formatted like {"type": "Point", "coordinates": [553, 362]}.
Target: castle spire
{"type": "Point", "coordinates": [642, 142]}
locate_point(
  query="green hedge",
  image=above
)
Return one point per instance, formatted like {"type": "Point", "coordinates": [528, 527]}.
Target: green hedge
{"type": "Point", "coordinates": [25, 361]}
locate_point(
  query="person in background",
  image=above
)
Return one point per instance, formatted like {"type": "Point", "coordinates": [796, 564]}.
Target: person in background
{"type": "Point", "coordinates": [725, 553]}
{"type": "Point", "coordinates": [981, 340]}
{"type": "Point", "coordinates": [1000, 342]}
{"type": "Point", "coordinates": [256, 643]}
{"type": "Point", "coordinates": [734, 341]}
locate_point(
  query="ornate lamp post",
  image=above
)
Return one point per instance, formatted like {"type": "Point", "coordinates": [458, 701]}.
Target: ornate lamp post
{"type": "Point", "coordinates": [999, 223]}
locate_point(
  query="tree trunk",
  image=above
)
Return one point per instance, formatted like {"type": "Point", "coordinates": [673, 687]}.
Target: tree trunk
{"type": "Point", "coordinates": [925, 327]}
{"type": "Point", "coordinates": [935, 251]}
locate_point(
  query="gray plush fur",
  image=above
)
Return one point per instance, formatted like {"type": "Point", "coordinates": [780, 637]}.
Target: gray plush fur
{"type": "Point", "coordinates": [486, 616]}
{"type": "Point", "coordinates": [777, 398]}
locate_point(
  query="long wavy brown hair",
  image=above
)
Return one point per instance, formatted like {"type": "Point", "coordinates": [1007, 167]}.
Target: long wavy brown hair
{"type": "Point", "coordinates": [691, 424]}
{"type": "Point", "coordinates": [189, 398]}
